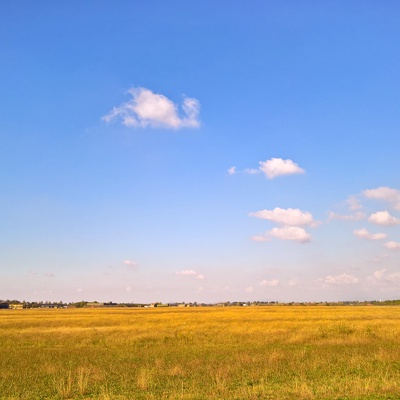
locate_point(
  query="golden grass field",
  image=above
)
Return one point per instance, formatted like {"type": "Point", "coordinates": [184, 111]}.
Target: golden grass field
{"type": "Point", "coordinates": [276, 352]}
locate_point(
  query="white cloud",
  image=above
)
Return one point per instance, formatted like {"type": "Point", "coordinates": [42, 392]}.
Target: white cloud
{"type": "Point", "coordinates": [392, 245]}
{"type": "Point", "coordinates": [343, 279]}
{"type": "Point", "coordinates": [277, 166]}
{"type": "Point", "coordinates": [290, 233]}
{"type": "Point", "coordinates": [273, 282]}
{"type": "Point", "coordinates": [289, 216]}
{"type": "Point", "coordinates": [232, 170]}
{"type": "Point", "coordinates": [148, 109]}
{"type": "Point", "coordinates": [384, 193]}
{"type": "Point", "coordinates": [364, 234]}
{"type": "Point", "coordinates": [190, 272]}
{"type": "Point", "coordinates": [249, 289]}
{"type": "Point", "coordinates": [347, 217]}
{"type": "Point", "coordinates": [383, 218]}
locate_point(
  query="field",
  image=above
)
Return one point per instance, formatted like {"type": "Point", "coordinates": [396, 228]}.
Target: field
{"type": "Point", "coordinates": [277, 352]}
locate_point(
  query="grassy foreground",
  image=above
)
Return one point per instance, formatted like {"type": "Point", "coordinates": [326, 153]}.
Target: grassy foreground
{"type": "Point", "coordinates": [277, 352]}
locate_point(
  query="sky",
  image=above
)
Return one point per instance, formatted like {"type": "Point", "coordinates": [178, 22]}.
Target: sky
{"type": "Point", "coordinates": [199, 151]}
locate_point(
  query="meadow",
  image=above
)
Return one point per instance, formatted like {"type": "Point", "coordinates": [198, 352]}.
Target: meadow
{"type": "Point", "coordinates": [273, 352]}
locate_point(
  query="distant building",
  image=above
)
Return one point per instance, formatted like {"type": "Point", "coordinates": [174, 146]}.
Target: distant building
{"type": "Point", "coordinates": [4, 305]}
{"type": "Point", "coordinates": [16, 306]}
{"type": "Point", "coordinates": [53, 305]}
{"type": "Point", "coordinates": [94, 304]}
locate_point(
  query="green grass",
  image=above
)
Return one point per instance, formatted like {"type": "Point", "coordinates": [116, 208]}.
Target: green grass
{"type": "Point", "coordinates": [201, 353]}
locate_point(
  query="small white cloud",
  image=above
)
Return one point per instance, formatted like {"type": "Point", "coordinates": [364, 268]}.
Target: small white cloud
{"type": "Point", "coordinates": [249, 289]}
{"type": "Point", "coordinates": [273, 282]}
{"type": "Point", "coordinates": [392, 245]}
{"type": "Point", "coordinates": [289, 216]}
{"type": "Point", "coordinates": [232, 170]}
{"type": "Point", "coordinates": [384, 193]}
{"type": "Point", "coordinates": [347, 217]}
{"type": "Point", "coordinates": [277, 167]}
{"type": "Point", "coordinates": [148, 109]}
{"type": "Point", "coordinates": [190, 272]}
{"type": "Point", "coordinates": [343, 279]}
{"type": "Point", "coordinates": [364, 234]}
{"type": "Point", "coordinates": [79, 290]}
{"type": "Point", "coordinates": [48, 274]}
{"type": "Point", "coordinates": [128, 289]}
{"type": "Point", "coordinates": [290, 233]}
{"type": "Point", "coordinates": [383, 218]}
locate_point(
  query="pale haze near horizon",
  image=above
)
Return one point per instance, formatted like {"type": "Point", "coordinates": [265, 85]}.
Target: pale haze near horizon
{"type": "Point", "coordinates": [199, 151]}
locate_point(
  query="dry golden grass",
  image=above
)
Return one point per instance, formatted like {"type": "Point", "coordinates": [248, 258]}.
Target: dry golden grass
{"type": "Point", "coordinates": [278, 352]}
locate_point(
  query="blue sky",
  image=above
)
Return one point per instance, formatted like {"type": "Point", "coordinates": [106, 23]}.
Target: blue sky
{"type": "Point", "coordinates": [199, 151]}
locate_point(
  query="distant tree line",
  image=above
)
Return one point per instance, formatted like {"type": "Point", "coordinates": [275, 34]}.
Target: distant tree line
{"type": "Point", "coordinates": [86, 304]}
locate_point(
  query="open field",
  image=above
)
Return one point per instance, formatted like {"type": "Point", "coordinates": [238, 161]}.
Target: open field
{"type": "Point", "coordinates": [277, 352]}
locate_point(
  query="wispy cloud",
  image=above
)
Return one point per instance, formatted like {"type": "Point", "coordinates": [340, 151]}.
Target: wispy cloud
{"type": "Point", "coordinates": [343, 279]}
{"type": "Point", "coordinates": [148, 109]}
{"type": "Point", "coordinates": [273, 282]}
{"type": "Point", "coordinates": [354, 203]}
{"type": "Point", "coordinates": [190, 272]}
{"type": "Point", "coordinates": [251, 171]}
{"type": "Point", "coordinates": [384, 193]}
{"type": "Point", "coordinates": [130, 263]}
{"type": "Point", "coordinates": [383, 218]}
{"type": "Point", "coordinates": [261, 238]}
{"type": "Point", "coordinates": [382, 275]}
{"type": "Point", "coordinates": [364, 234]}
{"type": "Point", "coordinates": [357, 216]}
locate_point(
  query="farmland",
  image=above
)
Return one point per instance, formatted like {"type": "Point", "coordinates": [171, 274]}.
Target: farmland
{"type": "Point", "coordinates": [274, 352]}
